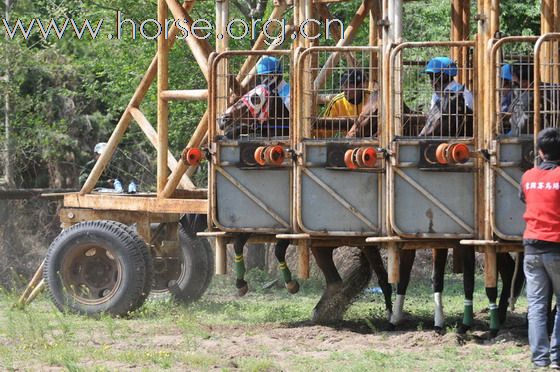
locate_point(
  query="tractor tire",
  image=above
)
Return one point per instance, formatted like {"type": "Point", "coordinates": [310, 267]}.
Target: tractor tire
{"type": "Point", "coordinates": [148, 262]}
{"type": "Point", "coordinates": [95, 267]}
{"type": "Point", "coordinates": [197, 269]}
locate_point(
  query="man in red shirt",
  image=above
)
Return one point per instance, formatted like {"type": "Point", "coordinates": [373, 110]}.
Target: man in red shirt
{"type": "Point", "coordinates": [540, 190]}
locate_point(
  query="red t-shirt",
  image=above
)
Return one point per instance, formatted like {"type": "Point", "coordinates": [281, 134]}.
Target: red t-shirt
{"type": "Point", "coordinates": [542, 196]}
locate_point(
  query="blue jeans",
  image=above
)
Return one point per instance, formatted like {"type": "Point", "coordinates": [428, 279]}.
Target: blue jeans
{"type": "Point", "coordinates": [543, 279]}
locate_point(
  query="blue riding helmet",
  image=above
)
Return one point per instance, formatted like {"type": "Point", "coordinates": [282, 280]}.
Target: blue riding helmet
{"type": "Point", "coordinates": [441, 65]}
{"type": "Point", "coordinates": [269, 65]}
{"type": "Point", "coordinates": [506, 72]}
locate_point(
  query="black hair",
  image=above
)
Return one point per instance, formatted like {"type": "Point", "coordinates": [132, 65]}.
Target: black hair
{"type": "Point", "coordinates": [354, 76]}
{"type": "Point", "coordinates": [524, 70]}
{"type": "Point", "coordinates": [548, 141]}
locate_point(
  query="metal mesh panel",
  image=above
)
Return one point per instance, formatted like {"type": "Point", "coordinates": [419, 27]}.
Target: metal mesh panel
{"type": "Point", "coordinates": [433, 99]}
{"type": "Point", "coordinates": [549, 85]}
{"type": "Point", "coordinates": [343, 95]}
{"type": "Point", "coordinates": [514, 69]}
{"type": "Point", "coordinates": [257, 103]}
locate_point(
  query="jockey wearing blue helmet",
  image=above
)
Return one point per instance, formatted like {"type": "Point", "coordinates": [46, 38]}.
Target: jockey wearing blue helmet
{"type": "Point", "coordinates": [269, 65]}
{"type": "Point", "coordinates": [506, 87]}
{"type": "Point", "coordinates": [442, 71]}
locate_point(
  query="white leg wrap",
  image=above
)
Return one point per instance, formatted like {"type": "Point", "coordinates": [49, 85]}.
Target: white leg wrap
{"type": "Point", "coordinates": [397, 315]}
{"type": "Point", "coordinates": [439, 318]}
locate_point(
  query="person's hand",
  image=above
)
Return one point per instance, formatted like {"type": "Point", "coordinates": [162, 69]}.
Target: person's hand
{"type": "Point", "coordinates": [352, 132]}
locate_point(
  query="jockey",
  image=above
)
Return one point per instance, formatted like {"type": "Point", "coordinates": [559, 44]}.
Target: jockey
{"type": "Point", "coordinates": [507, 87]}
{"type": "Point", "coordinates": [442, 71]}
{"type": "Point", "coordinates": [272, 98]}
{"type": "Point", "coordinates": [443, 119]}
{"type": "Point", "coordinates": [351, 101]}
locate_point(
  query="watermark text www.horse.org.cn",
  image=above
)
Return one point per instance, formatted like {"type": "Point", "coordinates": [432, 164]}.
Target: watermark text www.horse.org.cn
{"type": "Point", "coordinates": [276, 31]}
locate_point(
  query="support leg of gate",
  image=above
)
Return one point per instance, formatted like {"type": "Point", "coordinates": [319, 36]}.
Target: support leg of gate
{"type": "Point", "coordinates": [221, 258]}
{"type": "Point", "coordinates": [303, 247]}
{"type": "Point", "coordinates": [393, 262]}
{"type": "Point", "coordinates": [491, 283]}
{"type": "Point", "coordinates": [33, 284]}
{"type": "Point", "coordinates": [35, 292]}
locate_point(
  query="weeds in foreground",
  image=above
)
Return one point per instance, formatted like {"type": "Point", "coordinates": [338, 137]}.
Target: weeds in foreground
{"type": "Point", "coordinates": [211, 333]}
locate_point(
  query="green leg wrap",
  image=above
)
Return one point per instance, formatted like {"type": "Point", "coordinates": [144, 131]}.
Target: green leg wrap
{"type": "Point", "coordinates": [494, 321]}
{"type": "Point", "coordinates": [239, 267]}
{"type": "Point", "coordinates": [286, 274]}
{"type": "Point", "coordinates": [468, 313]}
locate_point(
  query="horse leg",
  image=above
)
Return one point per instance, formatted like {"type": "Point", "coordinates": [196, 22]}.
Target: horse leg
{"type": "Point", "coordinates": [280, 252]}
{"type": "Point", "coordinates": [405, 268]}
{"type": "Point", "coordinates": [439, 261]}
{"type": "Point", "coordinates": [468, 287]}
{"type": "Point", "coordinates": [238, 245]}
{"type": "Point", "coordinates": [518, 280]}
{"type": "Point", "coordinates": [506, 267]}
{"type": "Point", "coordinates": [376, 262]}
{"type": "Point", "coordinates": [339, 295]}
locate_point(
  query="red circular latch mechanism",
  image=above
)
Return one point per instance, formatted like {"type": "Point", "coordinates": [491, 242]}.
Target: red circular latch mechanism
{"type": "Point", "coordinates": [441, 153]}
{"type": "Point", "coordinates": [259, 155]}
{"type": "Point", "coordinates": [274, 155]}
{"type": "Point", "coordinates": [349, 159]}
{"type": "Point", "coordinates": [192, 156]}
{"type": "Point", "coordinates": [459, 153]}
{"type": "Point", "coordinates": [369, 157]}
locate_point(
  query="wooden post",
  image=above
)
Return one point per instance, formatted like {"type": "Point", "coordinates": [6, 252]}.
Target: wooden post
{"type": "Point", "coordinates": [162, 105]}
{"type": "Point", "coordinates": [126, 117]}
{"type": "Point", "coordinates": [153, 138]}
{"type": "Point", "coordinates": [221, 257]}
{"type": "Point", "coordinates": [37, 277]}
{"type": "Point", "coordinates": [393, 262]}
{"type": "Point", "coordinates": [303, 247]}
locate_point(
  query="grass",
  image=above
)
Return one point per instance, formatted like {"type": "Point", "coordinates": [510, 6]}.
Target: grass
{"type": "Point", "coordinates": [268, 330]}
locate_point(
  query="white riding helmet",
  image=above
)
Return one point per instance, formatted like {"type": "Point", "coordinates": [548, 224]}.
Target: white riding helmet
{"type": "Point", "coordinates": [99, 148]}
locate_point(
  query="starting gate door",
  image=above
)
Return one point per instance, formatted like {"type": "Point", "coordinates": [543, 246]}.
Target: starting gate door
{"type": "Point", "coordinates": [250, 179]}
{"type": "Point", "coordinates": [340, 163]}
{"type": "Point", "coordinates": [432, 184]}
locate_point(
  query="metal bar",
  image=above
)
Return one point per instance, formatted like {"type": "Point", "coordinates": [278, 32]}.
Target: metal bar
{"type": "Point", "coordinates": [508, 178]}
{"type": "Point", "coordinates": [251, 196]}
{"type": "Point", "coordinates": [434, 200]}
{"type": "Point", "coordinates": [339, 199]}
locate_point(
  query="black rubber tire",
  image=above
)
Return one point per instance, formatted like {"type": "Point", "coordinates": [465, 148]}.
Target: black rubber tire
{"type": "Point", "coordinates": [124, 250]}
{"type": "Point", "coordinates": [197, 269]}
{"type": "Point", "coordinates": [148, 262]}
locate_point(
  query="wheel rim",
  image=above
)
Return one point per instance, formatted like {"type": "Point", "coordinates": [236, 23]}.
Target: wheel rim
{"type": "Point", "coordinates": [91, 274]}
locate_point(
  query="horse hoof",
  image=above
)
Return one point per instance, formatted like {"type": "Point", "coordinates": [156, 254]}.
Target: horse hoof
{"type": "Point", "coordinates": [242, 287]}
{"type": "Point", "coordinates": [439, 330]}
{"type": "Point", "coordinates": [463, 329]}
{"type": "Point", "coordinates": [292, 286]}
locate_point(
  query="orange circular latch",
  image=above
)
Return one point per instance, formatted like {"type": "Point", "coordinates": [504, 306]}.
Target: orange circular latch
{"type": "Point", "coordinates": [259, 155]}
{"type": "Point", "coordinates": [441, 153]}
{"type": "Point", "coordinates": [357, 156]}
{"type": "Point", "coordinates": [192, 156]}
{"type": "Point", "coordinates": [459, 153]}
{"type": "Point", "coordinates": [274, 155]}
{"type": "Point", "coordinates": [349, 159]}
{"type": "Point", "coordinates": [369, 157]}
